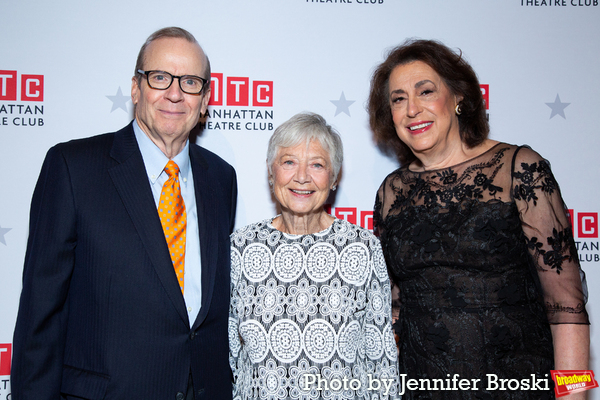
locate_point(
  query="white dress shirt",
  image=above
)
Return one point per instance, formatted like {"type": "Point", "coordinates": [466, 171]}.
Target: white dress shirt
{"type": "Point", "coordinates": [155, 162]}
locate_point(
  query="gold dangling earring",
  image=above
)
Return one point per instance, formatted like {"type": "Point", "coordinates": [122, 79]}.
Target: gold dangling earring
{"type": "Point", "coordinates": [457, 109]}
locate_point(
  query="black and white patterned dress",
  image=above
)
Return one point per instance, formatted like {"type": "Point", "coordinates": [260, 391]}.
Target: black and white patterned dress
{"type": "Point", "coordinates": [310, 304]}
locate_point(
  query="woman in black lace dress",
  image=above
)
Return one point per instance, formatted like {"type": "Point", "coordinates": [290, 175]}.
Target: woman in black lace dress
{"type": "Point", "coordinates": [476, 236]}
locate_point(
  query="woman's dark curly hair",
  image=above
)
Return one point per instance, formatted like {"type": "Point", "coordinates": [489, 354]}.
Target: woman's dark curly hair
{"type": "Point", "coordinates": [456, 73]}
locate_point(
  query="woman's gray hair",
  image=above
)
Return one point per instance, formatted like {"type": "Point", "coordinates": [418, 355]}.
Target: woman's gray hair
{"type": "Point", "coordinates": [302, 128]}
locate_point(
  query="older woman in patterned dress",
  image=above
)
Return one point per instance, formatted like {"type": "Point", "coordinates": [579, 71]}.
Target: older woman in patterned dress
{"type": "Point", "coordinates": [310, 309]}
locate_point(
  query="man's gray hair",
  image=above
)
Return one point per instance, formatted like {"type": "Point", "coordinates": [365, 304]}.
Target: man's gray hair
{"type": "Point", "coordinates": [170, 32]}
{"type": "Point", "coordinates": [302, 128]}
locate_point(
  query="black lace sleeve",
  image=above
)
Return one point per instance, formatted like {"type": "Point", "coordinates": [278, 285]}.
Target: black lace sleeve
{"type": "Point", "coordinates": [549, 237]}
{"type": "Point", "coordinates": [384, 201]}
{"type": "Point", "coordinates": [377, 212]}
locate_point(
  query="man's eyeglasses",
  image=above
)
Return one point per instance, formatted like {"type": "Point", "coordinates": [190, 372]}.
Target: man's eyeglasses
{"type": "Point", "coordinates": [161, 80]}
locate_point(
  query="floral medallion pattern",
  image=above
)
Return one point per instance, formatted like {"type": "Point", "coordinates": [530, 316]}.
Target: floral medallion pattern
{"type": "Point", "coordinates": [308, 304]}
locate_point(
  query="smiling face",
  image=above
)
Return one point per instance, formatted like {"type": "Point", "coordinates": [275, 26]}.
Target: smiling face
{"type": "Point", "coordinates": [302, 177]}
{"type": "Point", "coordinates": [168, 116]}
{"type": "Point", "coordinates": [423, 109]}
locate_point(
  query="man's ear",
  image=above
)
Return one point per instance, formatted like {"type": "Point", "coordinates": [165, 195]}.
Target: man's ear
{"type": "Point", "coordinates": [205, 99]}
{"type": "Point", "coordinates": [135, 90]}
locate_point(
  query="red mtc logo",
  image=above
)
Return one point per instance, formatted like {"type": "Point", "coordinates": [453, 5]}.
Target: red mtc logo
{"type": "Point", "coordinates": [5, 357]}
{"type": "Point", "coordinates": [351, 214]}
{"type": "Point", "coordinates": [32, 86]}
{"type": "Point", "coordinates": [485, 91]}
{"type": "Point", "coordinates": [238, 91]}
{"type": "Point", "coordinates": [587, 224]}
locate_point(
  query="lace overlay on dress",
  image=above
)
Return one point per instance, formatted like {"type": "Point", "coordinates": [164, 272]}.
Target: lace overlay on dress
{"type": "Point", "coordinates": [484, 257]}
{"type": "Point", "coordinates": [309, 304]}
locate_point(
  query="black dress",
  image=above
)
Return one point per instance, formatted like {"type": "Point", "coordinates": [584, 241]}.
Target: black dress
{"type": "Point", "coordinates": [484, 258]}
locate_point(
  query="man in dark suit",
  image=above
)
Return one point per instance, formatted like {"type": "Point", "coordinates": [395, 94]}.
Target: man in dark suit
{"type": "Point", "coordinates": [103, 313]}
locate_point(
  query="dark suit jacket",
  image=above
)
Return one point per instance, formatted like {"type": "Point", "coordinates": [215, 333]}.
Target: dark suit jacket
{"type": "Point", "coordinates": [101, 313]}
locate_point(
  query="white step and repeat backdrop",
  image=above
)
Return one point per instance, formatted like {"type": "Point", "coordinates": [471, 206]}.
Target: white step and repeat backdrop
{"type": "Point", "coordinates": [66, 67]}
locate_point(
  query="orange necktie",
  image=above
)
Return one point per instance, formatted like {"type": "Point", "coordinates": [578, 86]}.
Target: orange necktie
{"type": "Point", "coordinates": [171, 210]}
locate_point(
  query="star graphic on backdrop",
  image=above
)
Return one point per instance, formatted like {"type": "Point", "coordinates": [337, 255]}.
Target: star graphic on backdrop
{"type": "Point", "coordinates": [3, 232]}
{"type": "Point", "coordinates": [119, 101]}
{"type": "Point", "coordinates": [558, 108]}
{"type": "Point", "coordinates": [342, 105]}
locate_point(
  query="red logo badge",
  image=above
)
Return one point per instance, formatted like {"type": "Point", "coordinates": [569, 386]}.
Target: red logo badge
{"type": "Point", "coordinates": [32, 86]}
{"type": "Point", "coordinates": [485, 92]}
{"type": "Point", "coordinates": [352, 215]}
{"type": "Point", "coordinates": [572, 381]}
{"type": "Point", "coordinates": [5, 357]}
{"type": "Point", "coordinates": [240, 91]}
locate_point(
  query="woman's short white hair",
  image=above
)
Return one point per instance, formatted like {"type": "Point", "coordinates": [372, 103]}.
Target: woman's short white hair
{"type": "Point", "coordinates": [302, 128]}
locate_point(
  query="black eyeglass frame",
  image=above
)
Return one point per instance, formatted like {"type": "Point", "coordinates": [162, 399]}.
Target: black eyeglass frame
{"type": "Point", "coordinates": [147, 73]}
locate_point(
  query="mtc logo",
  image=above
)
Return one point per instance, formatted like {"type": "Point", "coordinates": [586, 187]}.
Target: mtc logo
{"type": "Point", "coordinates": [485, 91]}
{"type": "Point", "coordinates": [587, 224]}
{"type": "Point", "coordinates": [32, 86]}
{"type": "Point", "coordinates": [5, 357]}
{"type": "Point", "coordinates": [238, 91]}
{"type": "Point", "coordinates": [351, 214]}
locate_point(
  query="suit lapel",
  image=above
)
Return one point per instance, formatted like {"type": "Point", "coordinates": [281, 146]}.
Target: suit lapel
{"type": "Point", "coordinates": [208, 209]}
{"type": "Point", "coordinates": [129, 177]}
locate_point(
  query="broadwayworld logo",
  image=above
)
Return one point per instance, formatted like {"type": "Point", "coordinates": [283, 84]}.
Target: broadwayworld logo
{"type": "Point", "coordinates": [573, 381]}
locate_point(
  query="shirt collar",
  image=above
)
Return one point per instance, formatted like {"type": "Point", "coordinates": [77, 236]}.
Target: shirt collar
{"type": "Point", "coordinates": [155, 160]}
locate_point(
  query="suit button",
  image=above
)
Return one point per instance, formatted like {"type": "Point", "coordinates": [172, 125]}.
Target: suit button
{"type": "Point", "coordinates": [192, 335]}
{"type": "Point", "coordinates": [180, 396]}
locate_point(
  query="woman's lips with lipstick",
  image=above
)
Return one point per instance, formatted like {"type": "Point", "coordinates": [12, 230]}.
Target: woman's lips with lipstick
{"type": "Point", "coordinates": [419, 127]}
